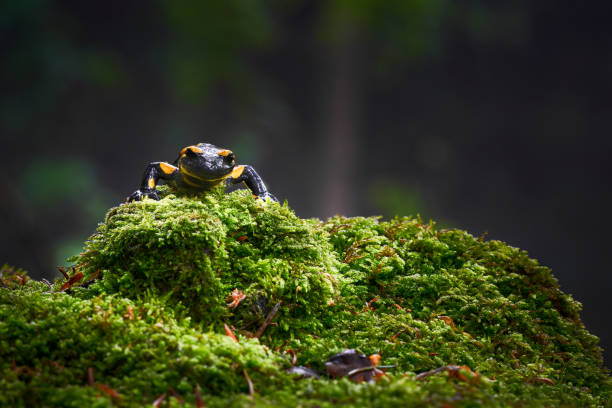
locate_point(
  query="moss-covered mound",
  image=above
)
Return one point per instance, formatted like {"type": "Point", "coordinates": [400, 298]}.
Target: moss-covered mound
{"type": "Point", "coordinates": [151, 326]}
{"type": "Point", "coordinates": [193, 251]}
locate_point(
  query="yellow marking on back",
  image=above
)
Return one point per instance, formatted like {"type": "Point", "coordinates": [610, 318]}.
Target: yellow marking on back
{"type": "Point", "coordinates": [167, 168]}
{"type": "Point", "coordinates": [225, 152]}
{"type": "Point", "coordinates": [236, 172]}
{"type": "Point", "coordinates": [151, 183]}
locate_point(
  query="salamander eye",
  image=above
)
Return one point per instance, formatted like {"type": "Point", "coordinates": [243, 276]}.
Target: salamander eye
{"type": "Point", "coordinates": [230, 159]}
{"type": "Point", "coordinates": [228, 156]}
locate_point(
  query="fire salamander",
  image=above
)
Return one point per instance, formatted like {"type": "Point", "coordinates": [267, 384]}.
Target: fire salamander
{"type": "Point", "coordinates": [199, 168]}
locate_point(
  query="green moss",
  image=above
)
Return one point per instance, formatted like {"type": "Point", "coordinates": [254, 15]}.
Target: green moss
{"type": "Point", "coordinates": [50, 340]}
{"type": "Point", "coordinates": [194, 252]}
{"type": "Point", "coordinates": [422, 298]}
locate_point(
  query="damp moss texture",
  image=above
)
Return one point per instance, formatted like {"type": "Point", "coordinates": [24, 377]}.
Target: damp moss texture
{"type": "Point", "coordinates": [150, 329]}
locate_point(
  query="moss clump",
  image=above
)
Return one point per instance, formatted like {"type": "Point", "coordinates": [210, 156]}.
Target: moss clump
{"type": "Point", "coordinates": [194, 252]}
{"type": "Point", "coordinates": [422, 298]}
{"type": "Point", "coordinates": [49, 341]}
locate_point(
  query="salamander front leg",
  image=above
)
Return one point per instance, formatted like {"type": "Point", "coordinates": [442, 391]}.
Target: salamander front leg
{"type": "Point", "coordinates": [152, 174]}
{"type": "Point", "coordinates": [247, 175]}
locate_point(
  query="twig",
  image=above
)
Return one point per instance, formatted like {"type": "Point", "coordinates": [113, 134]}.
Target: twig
{"type": "Point", "coordinates": [370, 368]}
{"type": "Point", "coordinates": [293, 356]}
{"type": "Point", "coordinates": [540, 380]}
{"type": "Point", "coordinates": [46, 282]}
{"type": "Point", "coordinates": [251, 388]}
{"type": "Point", "coordinates": [360, 370]}
{"type": "Point", "coordinates": [436, 371]}
{"type": "Point", "coordinates": [159, 401]}
{"type": "Point", "coordinates": [230, 333]}
{"type": "Point", "coordinates": [175, 395]}
{"type": "Point", "coordinates": [109, 391]}
{"type": "Point", "coordinates": [198, 397]}
{"type": "Point", "coordinates": [63, 271]}
{"type": "Point", "coordinates": [90, 376]}
{"type": "Point", "coordinates": [268, 320]}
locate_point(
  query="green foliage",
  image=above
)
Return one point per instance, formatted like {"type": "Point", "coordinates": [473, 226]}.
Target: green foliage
{"type": "Point", "coordinates": [50, 340]}
{"type": "Point", "coordinates": [193, 253]}
{"type": "Point", "coordinates": [422, 298]}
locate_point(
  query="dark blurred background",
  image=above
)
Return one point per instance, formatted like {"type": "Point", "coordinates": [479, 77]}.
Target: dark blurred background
{"type": "Point", "coordinates": [489, 116]}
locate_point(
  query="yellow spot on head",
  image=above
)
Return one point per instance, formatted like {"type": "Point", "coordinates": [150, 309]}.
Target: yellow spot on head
{"type": "Point", "coordinates": [167, 168]}
{"type": "Point", "coordinates": [225, 152]}
{"type": "Point", "coordinates": [151, 183]}
{"type": "Point", "coordinates": [237, 172]}
{"type": "Point", "coordinates": [194, 149]}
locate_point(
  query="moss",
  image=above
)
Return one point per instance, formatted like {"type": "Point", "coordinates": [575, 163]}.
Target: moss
{"type": "Point", "coordinates": [51, 340]}
{"type": "Point", "coordinates": [194, 252]}
{"type": "Point", "coordinates": [420, 297]}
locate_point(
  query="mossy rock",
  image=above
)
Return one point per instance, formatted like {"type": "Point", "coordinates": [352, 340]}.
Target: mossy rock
{"type": "Point", "coordinates": [153, 321]}
{"type": "Point", "coordinates": [193, 251]}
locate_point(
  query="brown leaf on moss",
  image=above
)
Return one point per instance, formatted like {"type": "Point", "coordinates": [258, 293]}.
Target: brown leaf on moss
{"type": "Point", "coordinates": [108, 391]}
{"type": "Point", "coordinates": [463, 373]}
{"type": "Point", "coordinates": [448, 320]}
{"type": "Point", "coordinates": [71, 281]}
{"type": "Point", "coordinates": [540, 380]}
{"type": "Point", "coordinates": [130, 313]}
{"type": "Point", "coordinates": [357, 367]}
{"type": "Point", "coordinates": [229, 332]}
{"type": "Point", "coordinates": [375, 359]}
{"type": "Point", "coordinates": [236, 296]}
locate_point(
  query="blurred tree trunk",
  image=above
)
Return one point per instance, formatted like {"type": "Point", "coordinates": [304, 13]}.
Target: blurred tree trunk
{"type": "Point", "coordinates": [340, 139]}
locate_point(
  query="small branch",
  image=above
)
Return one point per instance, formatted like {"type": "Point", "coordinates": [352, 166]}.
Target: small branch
{"type": "Point", "coordinates": [360, 370]}
{"type": "Point", "coordinates": [63, 271]}
{"type": "Point", "coordinates": [363, 369]}
{"type": "Point", "coordinates": [251, 388]}
{"type": "Point", "coordinates": [46, 282]}
{"type": "Point", "coordinates": [90, 376]}
{"type": "Point", "coordinates": [198, 397]}
{"type": "Point", "coordinates": [230, 333]}
{"type": "Point", "coordinates": [268, 320]}
{"type": "Point", "coordinates": [436, 371]}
